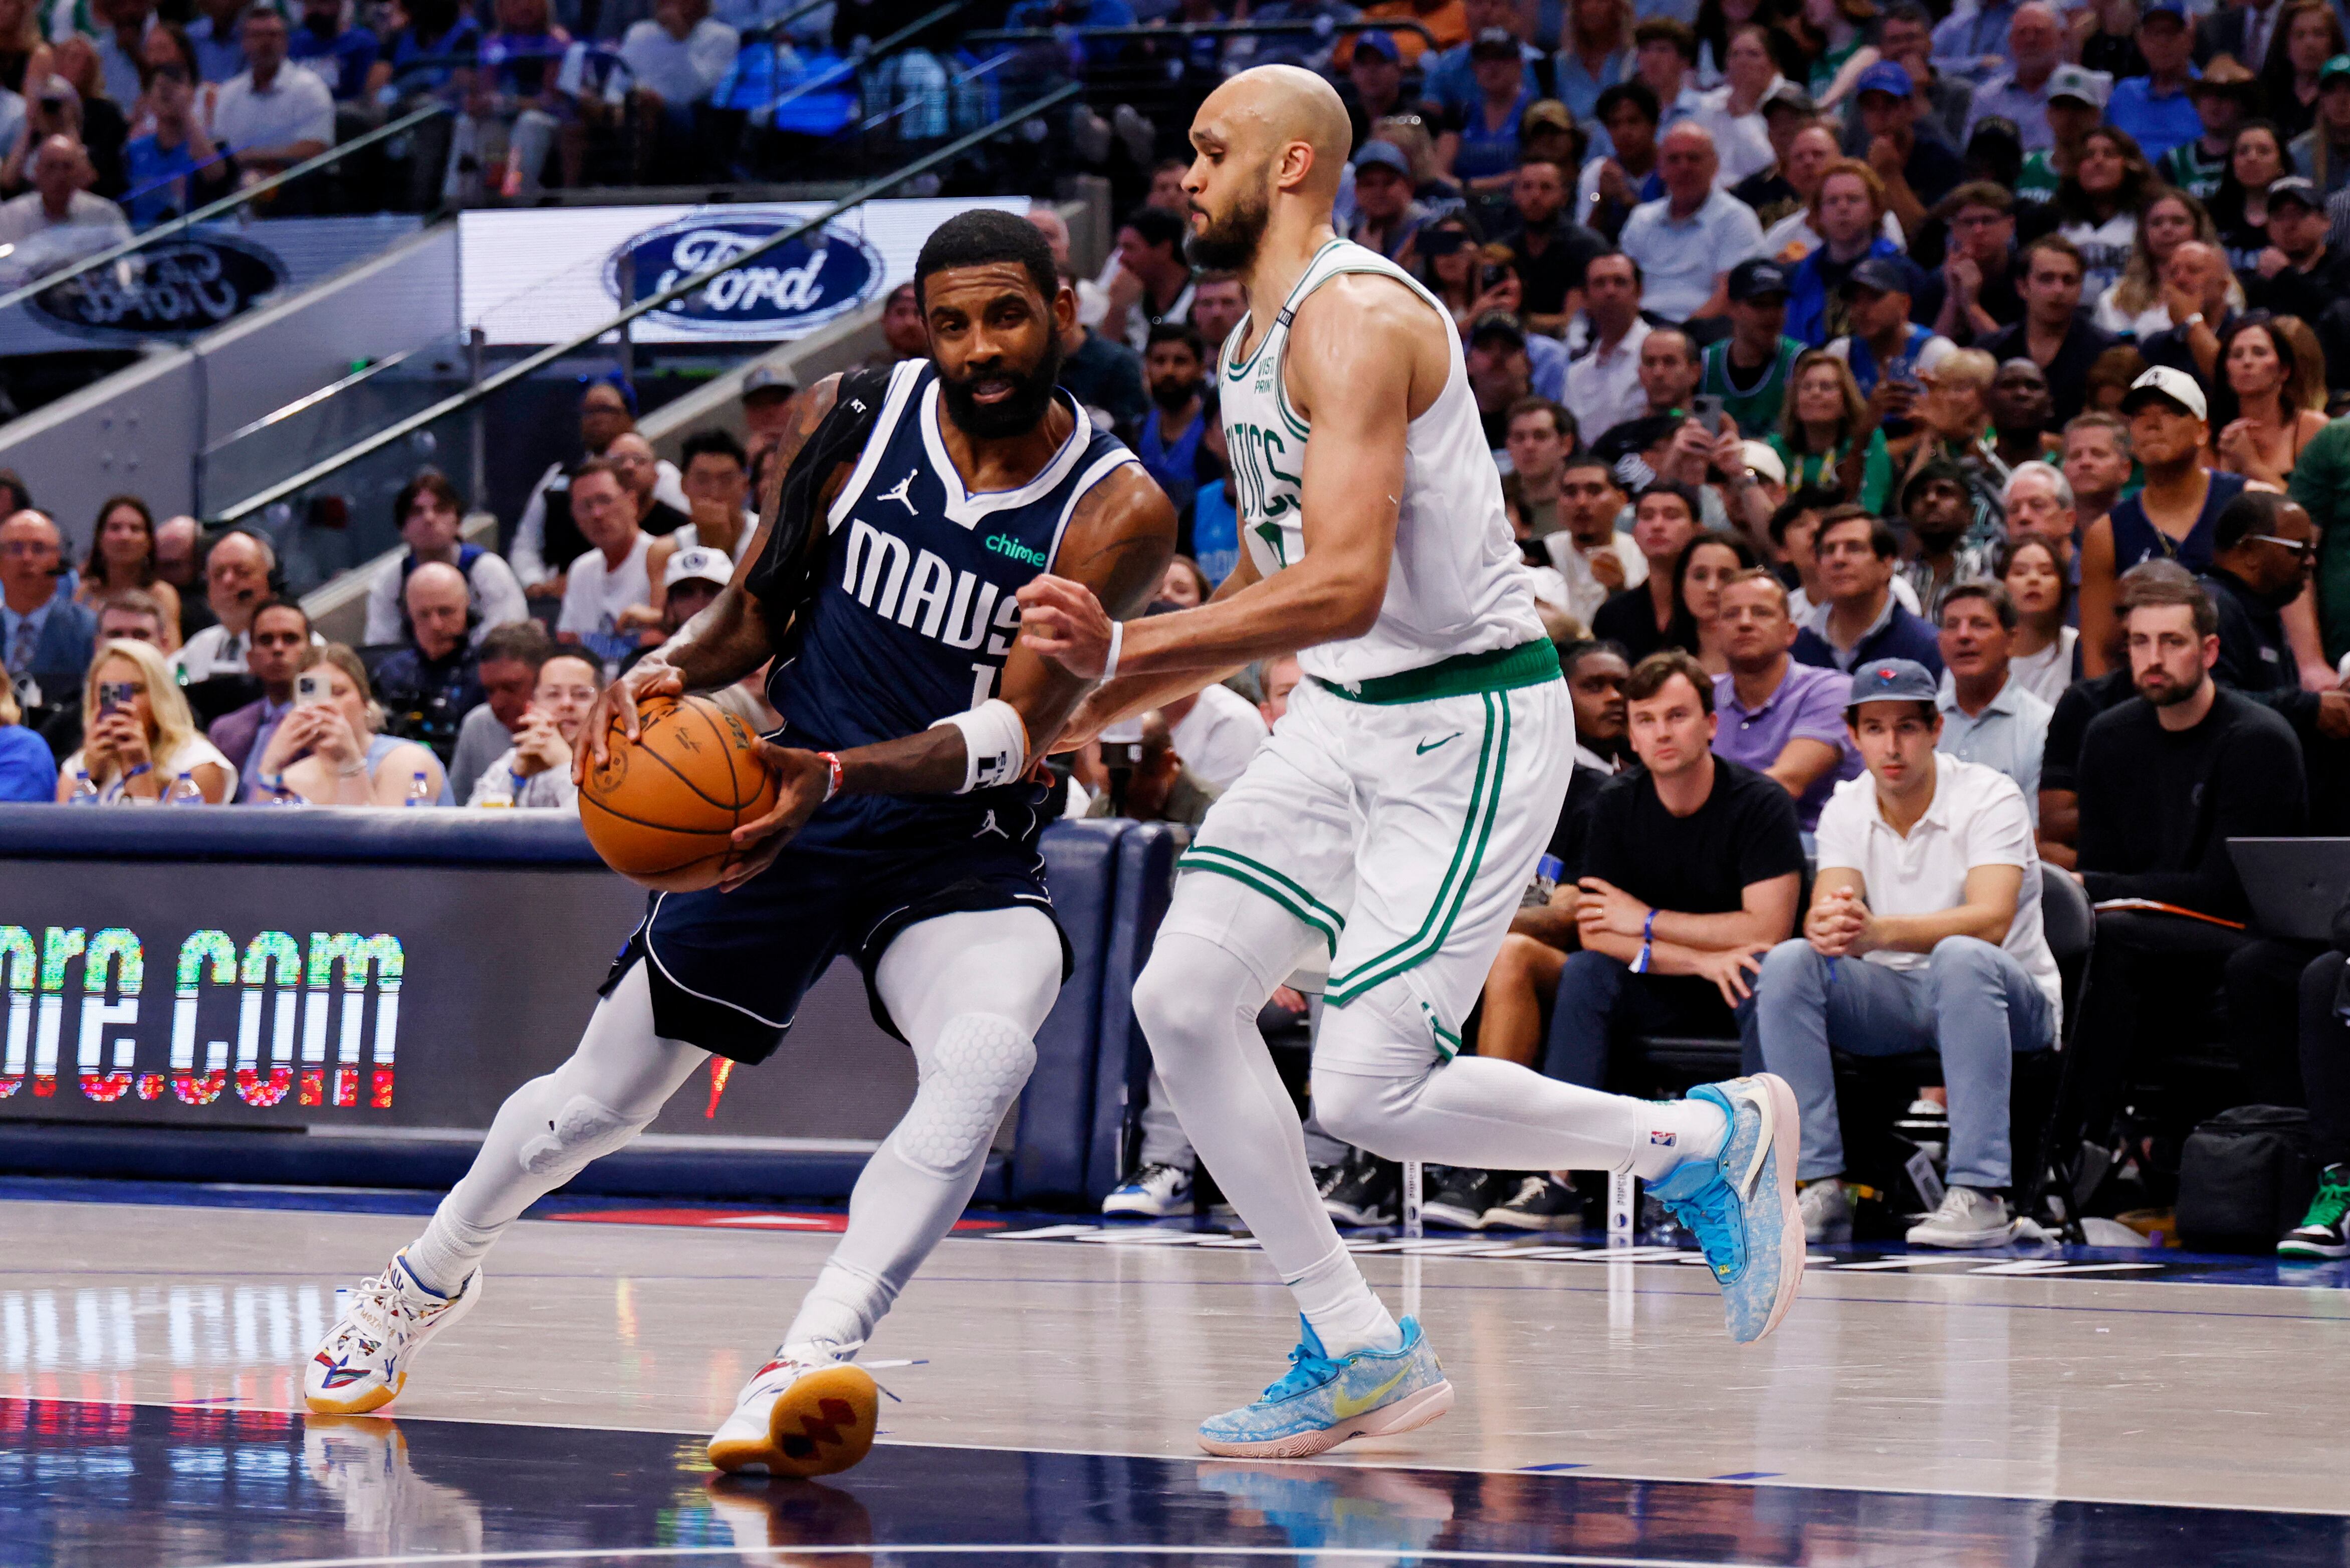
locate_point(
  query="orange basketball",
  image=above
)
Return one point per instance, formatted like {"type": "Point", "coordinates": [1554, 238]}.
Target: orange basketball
{"type": "Point", "coordinates": [661, 810]}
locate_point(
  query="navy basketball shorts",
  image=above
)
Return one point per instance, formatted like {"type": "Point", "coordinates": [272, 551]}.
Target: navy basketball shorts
{"type": "Point", "coordinates": [727, 970]}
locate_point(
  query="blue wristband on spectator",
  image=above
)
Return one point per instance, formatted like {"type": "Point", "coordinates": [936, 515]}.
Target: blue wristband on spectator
{"type": "Point", "coordinates": [1647, 943]}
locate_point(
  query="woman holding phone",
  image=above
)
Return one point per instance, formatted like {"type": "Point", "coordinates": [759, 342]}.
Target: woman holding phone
{"type": "Point", "coordinates": [138, 737]}
{"type": "Point", "coordinates": [328, 752]}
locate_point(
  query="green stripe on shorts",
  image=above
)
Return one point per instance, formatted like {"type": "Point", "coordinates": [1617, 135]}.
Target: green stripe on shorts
{"type": "Point", "coordinates": [1282, 889]}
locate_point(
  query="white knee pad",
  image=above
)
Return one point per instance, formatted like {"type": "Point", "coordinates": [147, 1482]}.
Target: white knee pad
{"type": "Point", "coordinates": [974, 1071]}
{"type": "Point", "coordinates": [580, 1132]}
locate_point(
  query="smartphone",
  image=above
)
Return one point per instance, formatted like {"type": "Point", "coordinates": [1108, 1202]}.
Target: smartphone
{"type": "Point", "coordinates": [1707, 407]}
{"type": "Point", "coordinates": [114, 694]}
{"type": "Point", "coordinates": [310, 688]}
{"type": "Point", "coordinates": [1121, 752]}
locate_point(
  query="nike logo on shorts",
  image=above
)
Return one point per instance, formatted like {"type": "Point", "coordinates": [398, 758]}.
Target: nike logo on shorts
{"type": "Point", "coordinates": [1427, 746]}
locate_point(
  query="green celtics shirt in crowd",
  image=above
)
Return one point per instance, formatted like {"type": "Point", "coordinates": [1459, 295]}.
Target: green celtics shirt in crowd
{"type": "Point", "coordinates": [2321, 482]}
{"type": "Point", "coordinates": [1819, 470]}
{"type": "Point", "coordinates": [2186, 167]}
{"type": "Point", "coordinates": [1756, 405]}
{"type": "Point", "coordinates": [2039, 179]}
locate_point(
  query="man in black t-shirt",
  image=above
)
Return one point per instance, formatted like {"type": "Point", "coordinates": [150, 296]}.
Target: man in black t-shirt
{"type": "Point", "coordinates": [1691, 870]}
{"type": "Point", "coordinates": [1548, 249]}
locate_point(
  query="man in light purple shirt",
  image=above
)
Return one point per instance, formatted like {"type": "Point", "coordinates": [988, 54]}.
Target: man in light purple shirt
{"type": "Point", "coordinates": [1783, 718]}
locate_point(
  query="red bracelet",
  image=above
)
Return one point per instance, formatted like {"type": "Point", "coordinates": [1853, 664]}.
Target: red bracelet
{"type": "Point", "coordinates": [832, 783]}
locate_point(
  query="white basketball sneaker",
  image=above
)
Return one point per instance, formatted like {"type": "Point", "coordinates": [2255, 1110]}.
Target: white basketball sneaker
{"type": "Point", "coordinates": [363, 1363]}
{"type": "Point", "coordinates": [798, 1418]}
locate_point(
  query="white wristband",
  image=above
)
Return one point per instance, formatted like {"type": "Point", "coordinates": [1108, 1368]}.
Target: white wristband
{"type": "Point", "coordinates": [995, 744]}
{"type": "Point", "coordinates": [1117, 641]}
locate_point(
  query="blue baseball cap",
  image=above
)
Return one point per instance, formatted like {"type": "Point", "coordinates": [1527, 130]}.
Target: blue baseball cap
{"type": "Point", "coordinates": [2152, 8]}
{"type": "Point", "coordinates": [1886, 76]}
{"type": "Point", "coordinates": [1892, 680]}
{"type": "Point", "coordinates": [1380, 44]}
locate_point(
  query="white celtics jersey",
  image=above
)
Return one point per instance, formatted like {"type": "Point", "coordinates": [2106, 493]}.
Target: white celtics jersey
{"type": "Point", "coordinates": [1457, 584]}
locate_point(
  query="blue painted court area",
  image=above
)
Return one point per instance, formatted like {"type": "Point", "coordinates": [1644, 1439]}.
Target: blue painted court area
{"type": "Point", "coordinates": [199, 1488]}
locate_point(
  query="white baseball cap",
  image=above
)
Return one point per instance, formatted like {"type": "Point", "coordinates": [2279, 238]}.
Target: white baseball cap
{"type": "Point", "coordinates": [2163, 381]}
{"type": "Point", "coordinates": [1761, 458]}
{"type": "Point", "coordinates": [698, 563]}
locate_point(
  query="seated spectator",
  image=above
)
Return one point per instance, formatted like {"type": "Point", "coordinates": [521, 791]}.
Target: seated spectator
{"type": "Point", "coordinates": [2044, 657]}
{"type": "Point", "coordinates": [1501, 373]}
{"type": "Point", "coordinates": [1215, 730]}
{"type": "Point", "coordinates": [546, 538]}
{"type": "Point", "coordinates": [1860, 620]}
{"type": "Point", "coordinates": [1603, 385]}
{"type": "Point", "coordinates": [44, 634]}
{"type": "Point", "coordinates": [690, 580]}
{"type": "Point", "coordinates": [2098, 464]}
{"type": "Point", "coordinates": [677, 57]}
{"type": "Point", "coordinates": [1614, 182]}
{"type": "Point", "coordinates": [2325, 1232]}
{"type": "Point", "coordinates": [2171, 519]}
{"type": "Point", "coordinates": [2036, 50]}
{"type": "Point", "coordinates": [277, 648]}
{"type": "Point", "coordinates": [1831, 438]}
{"type": "Point", "coordinates": [1668, 371]}
{"type": "Point", "coordinates": [1934, 506]}
{"type": "Point", "coordinates": [1782, 719]}
{"type": "Point", "coordinates": [1539, 437]}
{"type": "Point", "coordinates": [133, 613]}
{"type": "Point", "coordinates": [2165, 781]}
{"type": "Point", "coordinates": [1988, 717]}
{"type": "Point", "coordinates": [608, 602]}
{"type": "Point", "coordinates": [2157, 108]}
{"type": "Point", "coordinates": [1690, 873]}
{"type": "Point", "coordinates": [1705, 562]}
{"type": "Point", "coordinates": [122, 557]}
{"type": "Point", "coordinates": [2055, 332]}
{"type": "Point", "coordinates": [213, 37]}
{"type": "Point", "coordinates": [1918, 168]}
{"type": "Point", "coordinates": [28, 770]}
{"type": "Point", "coordinates": [2138, 304]}
{"type": "Point", "coordinates": [2302, 272]}
{"type": "Point", "coordinates": [273, 115]}
{"type": "Point", "coordinates": [2322, 152]}
{"type": "Point", "coordinates": [767, 394]}
{"type": "Point", "coordinates": [718, 490]}
{"type": "Point", "coordinates": [1883, 345]}
{"type": "Point", "coordinates": [237, 570]}
{"type": "Point", "coordinates": [1667, 49]}
{"type": "Point", "coordinates": [1848, 211]}
{"type": "Point", "coordinates": [2263, 409]}
{"type": "Point", "coordinates": [1733, 112]}
{"type": "Point", "coordinates": [507, 666]}
{"type": "Point", "coordinates": [1976, 297]}
{"type": "Point", "coordinates": [139, 739]}
{"type": "Point", "coordinates": [508, 119]}
{"type": "Point", "coordinates": [1104, 375]}
{"type": "Point", "coordinates": [331, 47]}
{"type": "Point", "coordinates": [904, 334]}
{"type": "Point", "coordinates": [1525, 972]}
{"type": "Point", "coordinates": [1752, 369]}
{"type": "Point", "coordinates": [174, 166]}
{"type": "Point", "coordinates": [2196, 276]}
{"type": "Point", "coordinates": [1687, 240]}
{"type": "Point", "coordinates": [535, 771]}
{"type": "Point", "coordinates": [179, 561]}
{"type": "Point", "coordinates": [1593, 558]}
{"type": "Point", "coordinates": [1152, 282]}
{"type": "Point", "coordinates": [58, 222]}
{"type": "Point", "coordinates": [2263, 548]}
{"type": "Point", "coordinates": [1926, 875]}
{"type": "Point", "coordinates": [329, 753]}
{"type": "Point", "coordinates": [427, 687]}
{"type": "Point", "coordinates": [2020, 410]}
{"type": "Point", "coordinates": [639, 470]}
{"type": "Point", "coordinates": [1478, 146]}
{"type": "Point", "coordinates": [1182, 446]}
{"type": "Point", "coordinates": [1645, 617]}
{"type": "Point", "coordinates": [1954, 424]}
{"type": "Point", "coordinates": [429, 514]}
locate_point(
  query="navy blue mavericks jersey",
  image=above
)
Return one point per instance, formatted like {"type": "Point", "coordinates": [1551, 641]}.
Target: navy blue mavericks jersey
{"type": "Point", "coordinates": [915, 614]}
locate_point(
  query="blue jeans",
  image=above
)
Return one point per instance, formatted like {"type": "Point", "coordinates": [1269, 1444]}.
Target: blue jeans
{"type": "Point", "coordinates": [1971, 1002]}
{"type": "Point", "coordinates": [1599, 997]}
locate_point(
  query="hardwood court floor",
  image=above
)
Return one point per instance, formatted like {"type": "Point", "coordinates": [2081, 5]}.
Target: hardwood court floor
{"type": "Point", "coordinates": [2083, 1388]}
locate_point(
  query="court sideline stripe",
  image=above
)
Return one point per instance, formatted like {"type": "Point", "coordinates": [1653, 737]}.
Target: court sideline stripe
{"type": "Point", "coordinates": [938, 1548]}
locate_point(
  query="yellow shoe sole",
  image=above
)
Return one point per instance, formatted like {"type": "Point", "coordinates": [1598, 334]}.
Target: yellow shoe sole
{"type": "Point", "coordinates": [823, 1423]}
{"type": "Point", "coordinates": [360, 1404]}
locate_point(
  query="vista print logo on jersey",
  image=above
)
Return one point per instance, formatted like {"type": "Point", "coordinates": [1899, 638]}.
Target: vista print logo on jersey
{"type": "Point", "coordinates": [783, 293]}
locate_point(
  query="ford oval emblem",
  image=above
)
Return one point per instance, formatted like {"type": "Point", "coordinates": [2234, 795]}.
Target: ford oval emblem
{"type": "Point", "coordinates": [781, 294]}
{"type": "Point", "coordinates": [178, 287]}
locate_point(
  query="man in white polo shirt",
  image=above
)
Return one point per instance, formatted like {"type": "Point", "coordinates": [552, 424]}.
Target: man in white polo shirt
{"type": "Point", "coordinates": [273, 115]}
{"type": "Point", "coordinates": [1924, 935]}
{"type": "Point", "coordinates": [1687, 239]}
{"type": "Point", "coordinates": [607, 595]}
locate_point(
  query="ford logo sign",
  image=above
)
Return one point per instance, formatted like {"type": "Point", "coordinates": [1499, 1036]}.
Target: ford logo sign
{"type": "Point", "coordinates": [781, 294]}
{"type": "Point", "coordinates": [178, 287]}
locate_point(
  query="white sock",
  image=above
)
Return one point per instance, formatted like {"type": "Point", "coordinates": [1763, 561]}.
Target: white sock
{"type": "Point", "coordinates": [447, 1253]}
{"type": "Point", "coordinates": [1347, 1315]}
{"type": "Point", "coordinates": [1673, 1131]}
{"type": "Point", "coordinates": [837, 1315]}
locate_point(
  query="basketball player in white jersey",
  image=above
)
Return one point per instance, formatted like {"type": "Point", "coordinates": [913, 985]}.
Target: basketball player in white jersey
{"type": "Point", "coordinates": [1389, 826]}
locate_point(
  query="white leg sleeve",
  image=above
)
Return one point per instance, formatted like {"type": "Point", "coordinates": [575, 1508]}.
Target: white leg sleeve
{"type": "Point", "coordinates": [550, 1128]}
{"type": "Point", "coordinates": [1197, 1001]}
{"type": "Point", "coordinates": [969, 991]}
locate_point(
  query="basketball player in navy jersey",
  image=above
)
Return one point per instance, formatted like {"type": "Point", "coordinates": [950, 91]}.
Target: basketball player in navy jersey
{"type": "Point", "coordinates": [914, 503]}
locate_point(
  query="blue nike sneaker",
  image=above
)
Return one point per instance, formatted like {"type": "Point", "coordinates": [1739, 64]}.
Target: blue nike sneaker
{"type": "Point", "coordinates": [1741, 1204]}
{"type": "Point", "coordinates": [1324, 1401]}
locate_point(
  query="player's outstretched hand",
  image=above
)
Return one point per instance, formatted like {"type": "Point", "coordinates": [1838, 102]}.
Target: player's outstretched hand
{"type": "Point", "coordinates": [801, 779]}
{"type": "Point", "coordinates": [1065, 622]}
{"type": "Point", "coordinates": [653, 676]}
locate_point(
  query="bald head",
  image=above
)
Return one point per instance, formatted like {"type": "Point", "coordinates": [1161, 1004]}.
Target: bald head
{"type": "Point", "coordinates": [436, 599]}
{"type": "Point", "coordinates": [1272, 145]}
{"type": "Point", "coordinates": [1260, 112]}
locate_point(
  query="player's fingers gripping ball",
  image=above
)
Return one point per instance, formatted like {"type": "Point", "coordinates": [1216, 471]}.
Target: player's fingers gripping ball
{"type": "Point", "coordinates": [659, 809]}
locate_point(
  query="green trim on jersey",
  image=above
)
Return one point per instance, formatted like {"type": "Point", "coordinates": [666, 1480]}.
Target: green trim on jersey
{"type": "Point", "coordinates": [1468, 854]}
{"type": "Point", "coordinates": [2186, 167]}
{"type": "Point", "coordinates": [1265, 879]}
{"type": "Point", "coordinates": [1462, 675]}
{"type": "Point", "coordinates": [1756, 411]}
{"type": "Point", "coordinates": [1239, 372]}
{"type": "Point", "coordinates": [2039, 179]}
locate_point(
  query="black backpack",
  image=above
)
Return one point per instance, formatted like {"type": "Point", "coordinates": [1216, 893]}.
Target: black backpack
{"type": "Point", "coordinates": [2245, 1178]}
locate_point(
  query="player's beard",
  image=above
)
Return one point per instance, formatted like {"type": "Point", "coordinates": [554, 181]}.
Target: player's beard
{"type": "Point", "coordinates": [1031, 394]}
{"type": "Point", "coordinates": [1229, 243]}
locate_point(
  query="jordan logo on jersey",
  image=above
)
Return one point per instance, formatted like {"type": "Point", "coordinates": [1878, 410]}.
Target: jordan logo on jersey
{"type": "Point", "coordinates": [921, 593]}
{"type": "Point", "coordinates": [903, 494]}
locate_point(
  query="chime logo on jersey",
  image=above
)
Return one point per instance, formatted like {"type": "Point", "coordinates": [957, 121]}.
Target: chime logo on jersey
{"type": "Point", "coordinates": [921, 593]}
